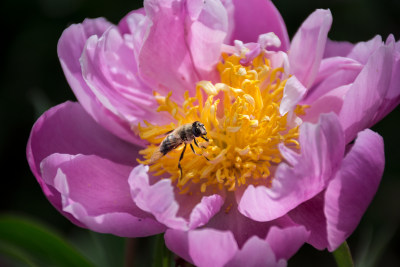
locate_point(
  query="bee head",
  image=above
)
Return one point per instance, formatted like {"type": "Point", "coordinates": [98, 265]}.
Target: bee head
{"type": "Point", "coordinates": [198, 129]}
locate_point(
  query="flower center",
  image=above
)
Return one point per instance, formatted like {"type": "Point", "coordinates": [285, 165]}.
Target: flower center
{"type": "Point", "coordinates": [243, 123]}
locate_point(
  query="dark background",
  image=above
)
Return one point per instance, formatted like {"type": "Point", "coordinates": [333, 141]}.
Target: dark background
{"type": "Point", "coordinates": [32, 81]}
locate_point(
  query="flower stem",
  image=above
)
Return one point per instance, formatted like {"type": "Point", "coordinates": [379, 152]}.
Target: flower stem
{"type": "Point", "coordinates": [343, 256]}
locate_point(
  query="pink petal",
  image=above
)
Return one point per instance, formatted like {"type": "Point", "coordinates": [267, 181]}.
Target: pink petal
{"type": "Point", "coordinates": [109, 69]}
{"type": "Point", "coordinates": [308, 45]}
{"type": "Point", "coordinates": [205, 247]}
{"type": "Point", "coordinates": [292, 94]}
{"type": "Point", "coordinates": [178, 30]}
{"type": "Point", "coordinates": [362, 51]}
{"type": "Point", "coordinates": [70, 47]}
{"type": "Point", "coordinates": [68, 129]}
{"type": "Point", "coordinates": [322, 148]}
{"type": "Point", "coordinates": [134, 27]}
{"type": "Point", "coordinates": [256, 252]}
{"type": "Point", "coordinates": [350, 193]}
{"type": "Point", "coordinates": [285, 238]}
{"type": "Point", "coordinates": [330, 102]}
{"type": "Point", "coordinates": [311, 215]}
{"type": "Point", "coordinates": [279, 59]}
{"type": "Point", "coordinates": [269, 39]}
{"type": "Point", "coordinates": [95, 192]}
{"type": "Point", "coordinates": [365, 96]}
{"type": "Point", "coordinates": [251, 51]}
{"type": "Point", "coordinates": [333, 215]}
{"type": "Point", "coordinates": [220, 247]}
{"type": "Point", "coordinates": [337, 49]}
{"type": "Point", "coordinates": [333, 72]}
{"type": "Point", "coordinates": [207, 29]}
{"type": "Point", "coordinates": [178, 211]}
{"type": "Point", "coordinates": [255, 17]}
{"type": "Point", "coordinates": [285, 242]}
{"type": "Point", "coordinates": [125, 26]}
{"type": "Point", "coordinates": [392, 98]}
{"type": "Point", "coordinates": [205, 210]}
{"type": "Point", "coordinates": [178, 242]}
{"type": "Point", "coordinates": [243, 228]}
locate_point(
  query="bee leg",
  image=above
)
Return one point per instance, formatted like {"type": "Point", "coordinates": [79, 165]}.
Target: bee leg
{"type": "Point", "coordinates": [205, 138]}
{"type": "Point", "coordinates": [180, 158]}
{"type": "Point", "coordinates": [191, 146]}
{"type": "Point", "coordinates": [195, 142]}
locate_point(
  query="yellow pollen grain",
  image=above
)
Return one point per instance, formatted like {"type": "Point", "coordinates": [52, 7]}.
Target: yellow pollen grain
{"type": "Point", "coordinates": [243, 137]}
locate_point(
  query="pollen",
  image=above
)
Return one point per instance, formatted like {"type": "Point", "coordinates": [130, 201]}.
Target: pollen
{"type": "Point", "coordinates": [244, 128]}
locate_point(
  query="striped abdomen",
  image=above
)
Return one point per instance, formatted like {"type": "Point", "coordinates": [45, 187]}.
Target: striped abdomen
{"type": "Point", "coordinates": [173, 140]}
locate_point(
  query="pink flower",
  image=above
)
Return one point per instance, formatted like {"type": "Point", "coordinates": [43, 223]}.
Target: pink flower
{"type": "Point", "coordinates": [281, 118]}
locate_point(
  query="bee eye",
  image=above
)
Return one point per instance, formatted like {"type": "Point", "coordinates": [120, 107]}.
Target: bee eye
{"type": "Point", "coordinates": [196, 131]}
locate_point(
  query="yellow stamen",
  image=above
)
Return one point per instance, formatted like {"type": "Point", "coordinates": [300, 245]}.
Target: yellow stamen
{"type": "Point", "coordinates": [243, 139]}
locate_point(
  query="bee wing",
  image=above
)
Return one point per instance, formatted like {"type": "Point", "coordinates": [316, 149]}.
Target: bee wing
{"type": "Point", "coordinates": [167, 133]}
{"type": "Point", "coordinates": [170, 142]}
{"type": "Point", "coordinates": [156, 156]}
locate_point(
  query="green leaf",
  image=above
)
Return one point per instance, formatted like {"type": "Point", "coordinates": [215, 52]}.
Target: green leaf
{"type": "Point", "coordinates": [16, 255]}
{"type": "Point", "coordinates": [31, 243]}
{"type": "Point", "coordinates": [343, 256]}
{"type": "Point", "coordinates": [102, 249]}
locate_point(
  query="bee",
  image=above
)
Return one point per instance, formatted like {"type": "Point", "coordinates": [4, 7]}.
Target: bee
{"type": "Point", "coordinates": [184, 134]}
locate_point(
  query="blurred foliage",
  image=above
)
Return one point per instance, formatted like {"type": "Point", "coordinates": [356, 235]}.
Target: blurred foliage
{"type": "Point", "coordinates": [34, 244]}
{"type": "Point", "coordinates": [31, 81]}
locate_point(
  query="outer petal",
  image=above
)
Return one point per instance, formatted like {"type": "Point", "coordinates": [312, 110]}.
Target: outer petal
{"type": "Point", "coordinates": [171, 208]}
{"type": "Point", "coordinates": [322, 148]}
{"type": "Point", "coordinates": [178, 242]}
{"type": "Point", "coordinates": [337, 49]}
{"type": "Point", "coordinates": [350, 193]}
{"type": "Point", "coordinates": [333, 215]}
{"type": "Point", "coordinates": [95, 192]}
{"type": "Point", "coordinates": [134, 28]}
{"type": "Point", "coordinates": [255, 17]}
{"type": "Point", "coordinates": [392, 98]}
{"type": "Point", "coordinates": [67, 129]}
{"type": "Point", "coordinates": [330, 102]}
{"type": "Point", "coordinates": [333, 73]}
{"type": "Point", "coordinates": [311, 215]}
{"type": "Point", "coordinates": [308, 45]}
{"type": "Point", "coordinates": [362, 51]}
{"type": "Point", "coordinates": [285, 242]}
{"type": "Point", "coordinates": [283, 239]}
{"type": "Point", "coordinates": [126, 25]}
{"type": "Point", "coordinates": [221, 247]}
{"type": "Point", "coordinates": [205, 247]}
{"type": "Point", "coordinates": [367, 93]}
{"type": "Point", "coordinates": [243, 229]}
{"type": "Point", "coordinates": [256, 252]}
{"type": "Point", "coordinates": [70, 47]}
